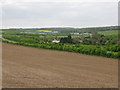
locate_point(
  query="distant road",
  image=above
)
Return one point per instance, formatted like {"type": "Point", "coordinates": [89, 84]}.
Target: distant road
{"type": "Point", "coordinates": [7, 40]}
{"type": "Point", "coordinates": [25, 67]}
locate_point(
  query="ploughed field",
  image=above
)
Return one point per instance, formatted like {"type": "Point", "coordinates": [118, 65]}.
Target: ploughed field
{"type": "Point", "coordinates": [25, 67]}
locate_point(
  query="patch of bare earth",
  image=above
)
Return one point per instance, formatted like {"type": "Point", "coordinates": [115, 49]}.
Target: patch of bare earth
{"type": "Point", "coordinates": [25, 67]}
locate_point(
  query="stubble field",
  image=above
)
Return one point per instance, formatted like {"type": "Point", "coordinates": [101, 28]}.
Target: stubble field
{"type": "Point", "coordinates": [25, 67]}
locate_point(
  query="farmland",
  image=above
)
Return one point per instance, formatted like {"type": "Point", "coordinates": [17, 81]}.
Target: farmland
{"type": "Point", "coordinates": [25, 67]}
{"type": "Point", "coordinates": [44, 31]}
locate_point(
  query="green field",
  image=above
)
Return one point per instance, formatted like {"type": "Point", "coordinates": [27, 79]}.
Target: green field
{"type": "Point", "coordinates": [112, 32]}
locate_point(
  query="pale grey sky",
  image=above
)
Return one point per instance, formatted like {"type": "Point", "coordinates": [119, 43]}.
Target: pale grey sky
{"type": "Point", "coordinates": [72, 13]}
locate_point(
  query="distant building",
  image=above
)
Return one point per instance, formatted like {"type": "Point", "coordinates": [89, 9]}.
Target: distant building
{"type": "Point", "coordinates": [85, 33]}
{"type": "Point", "coordinates": [55, 31]}
{"type": "Point", "coordinates": [27, 32]}
{"type": "Point", "coordinates": [118, 41]}
{"type": "Point", "coordinates": [81, 41]}
{"type": "Point", "coordinates": [41, 33]}
{"type": "Point", "coordinates": [74, 33]}
{"type": "Point", "coordinates": [56, 41]}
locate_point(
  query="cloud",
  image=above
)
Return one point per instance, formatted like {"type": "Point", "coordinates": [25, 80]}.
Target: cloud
{"type": "Point", "coordinates": [13, 1]}
{"type": "Point", "coordinates": [46, 14]}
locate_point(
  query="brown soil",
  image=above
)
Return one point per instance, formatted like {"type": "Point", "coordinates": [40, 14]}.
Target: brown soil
{"type": "Point", "coordinates": [25, 67]}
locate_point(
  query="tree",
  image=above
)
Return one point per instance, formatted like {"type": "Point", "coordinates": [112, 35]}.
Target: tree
{"type": "Point", "coordinates": [66, 39]}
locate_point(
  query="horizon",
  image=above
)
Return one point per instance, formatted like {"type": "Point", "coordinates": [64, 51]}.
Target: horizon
{"type": "Point", "coordinates": [59, 27]}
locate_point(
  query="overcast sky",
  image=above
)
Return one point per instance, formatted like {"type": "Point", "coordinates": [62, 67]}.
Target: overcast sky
{"type": "Point", "coordinates": [64, 13]}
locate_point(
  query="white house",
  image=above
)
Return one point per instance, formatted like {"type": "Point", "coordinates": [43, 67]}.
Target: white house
{"type": "Point", "coordinates": [55, 41]}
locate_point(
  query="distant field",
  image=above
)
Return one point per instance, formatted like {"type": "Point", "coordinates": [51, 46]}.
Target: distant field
{"type": "Point", "coordinates": [112, 32]}
{"type": "Point", "coordinates": [44, 31]}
